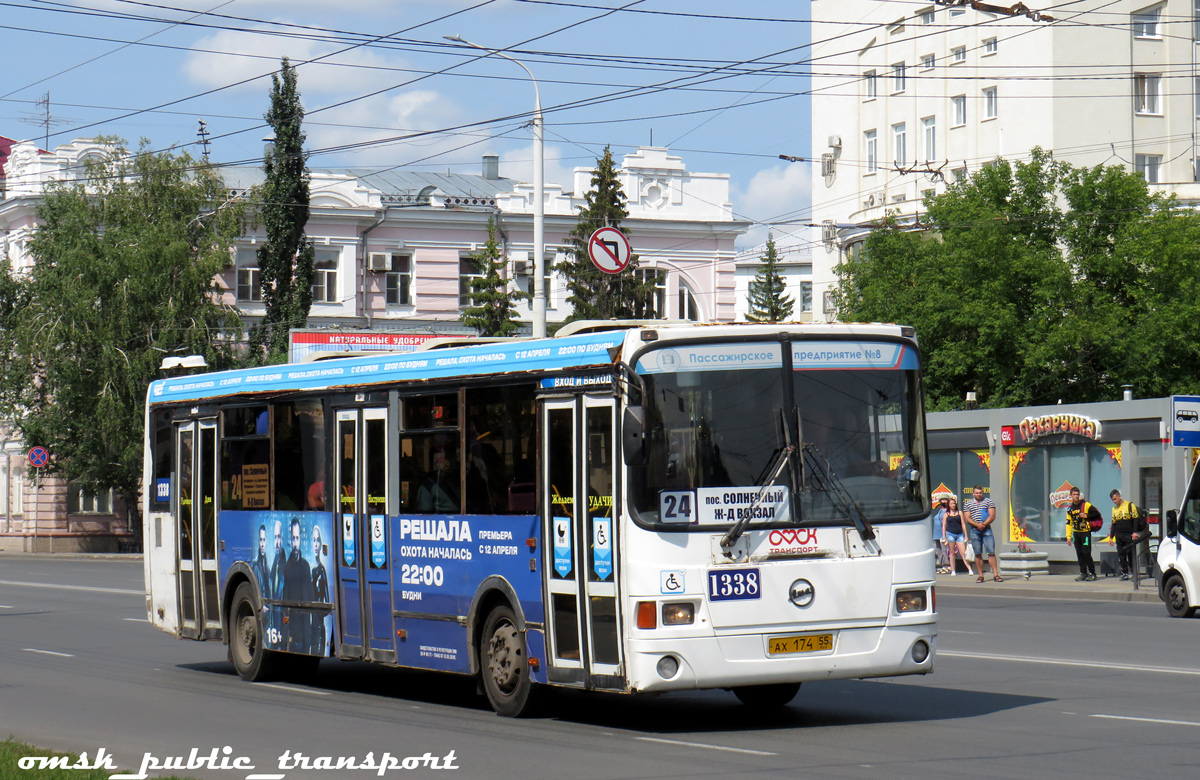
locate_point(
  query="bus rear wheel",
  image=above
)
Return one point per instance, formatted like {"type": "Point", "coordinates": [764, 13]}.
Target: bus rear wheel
{"type": "Point", "coordinates": [251, 659]}
{"type": "Point", "coordinates": [504, 665]}
{"type": "Point", "coordinates": [1175, 596]}
{"type": "Point", "coordinates": [767, 696]}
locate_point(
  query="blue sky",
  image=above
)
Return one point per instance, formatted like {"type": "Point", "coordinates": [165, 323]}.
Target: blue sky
{"type": "Point", "coordinates": [719, 83]}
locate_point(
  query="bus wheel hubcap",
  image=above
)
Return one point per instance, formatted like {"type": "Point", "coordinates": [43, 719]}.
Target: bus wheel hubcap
{"type": "Point", "coordinates": [504, 658]}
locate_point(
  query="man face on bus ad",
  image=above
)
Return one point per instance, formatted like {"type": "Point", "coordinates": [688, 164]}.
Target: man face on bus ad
{"type": "Point", "coordinates": [296, 539]}
{"type": "Point", "coordinates": [262, 542]}
{"type": "Point", "coordinates": [278, 538]}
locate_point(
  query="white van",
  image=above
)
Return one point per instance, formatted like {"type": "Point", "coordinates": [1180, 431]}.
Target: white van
{"type": "Point", "coordinates": [1179, 555]}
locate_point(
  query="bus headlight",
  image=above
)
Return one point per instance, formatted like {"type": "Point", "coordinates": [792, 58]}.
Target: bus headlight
{"type": "Point", "coordinates": [910, 601]}
{"type": "Point", "coordinates": [678, 614]}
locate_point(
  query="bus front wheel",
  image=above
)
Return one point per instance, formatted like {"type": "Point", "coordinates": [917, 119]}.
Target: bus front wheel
{"type": "Point", "coordinates": [767, 696]}
{"type": "Point", "coordinates": [1175, 596]}
{"type": "Point", "coordinates": [251, 659]}
{"type": "Point", "coordinates": [504, 664]}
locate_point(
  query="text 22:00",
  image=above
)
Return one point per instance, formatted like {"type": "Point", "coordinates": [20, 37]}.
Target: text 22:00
{"type": "Point", "coordinates": [414, 574]}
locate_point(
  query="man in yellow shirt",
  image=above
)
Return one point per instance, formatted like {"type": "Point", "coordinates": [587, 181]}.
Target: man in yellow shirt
{"type": "Point", "coordinates": [1129, 527]}
{"type": "Point", "coordinates": [1081, 517]}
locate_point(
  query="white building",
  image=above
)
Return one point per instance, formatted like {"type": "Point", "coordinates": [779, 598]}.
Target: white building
{"type": "Point", "coordinates": [796, 268]}
{"type": "Point", "coordinates": [908, 97]}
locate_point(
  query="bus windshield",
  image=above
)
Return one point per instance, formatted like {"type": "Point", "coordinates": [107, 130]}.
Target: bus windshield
{"type": "Point", "coordinates": [730, 436]}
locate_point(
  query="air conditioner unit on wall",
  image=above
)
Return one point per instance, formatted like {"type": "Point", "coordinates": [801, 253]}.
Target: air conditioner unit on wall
{"type": "Point", "coordinates": [521, 267]}
{"type": "Point", "coordinates": [379, 261]}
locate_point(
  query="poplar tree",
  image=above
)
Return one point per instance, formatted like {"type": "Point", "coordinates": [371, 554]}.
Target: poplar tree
{"type": "Point", "coordinates": [767, 299]}
{"type": "Point", "coordinates": [594, 294]}
{"type": "Point", "coordinates": [493, 306]}
{"type": "Point", "coordinates": [285, 261]}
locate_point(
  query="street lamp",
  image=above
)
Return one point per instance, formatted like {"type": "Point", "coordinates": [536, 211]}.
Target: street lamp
{"type": "Point", "coordinates": [539, 207]}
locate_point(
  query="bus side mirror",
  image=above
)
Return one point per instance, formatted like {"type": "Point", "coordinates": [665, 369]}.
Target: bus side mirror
{"type": "Point", "coordinates": [633, 436]}
{"type": "Point", "coordinates": [1172, 523]}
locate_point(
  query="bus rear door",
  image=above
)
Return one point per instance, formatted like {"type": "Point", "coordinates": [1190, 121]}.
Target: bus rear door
{"type": "Point", "coordinates": [580, 529]}
{"type": "Point", "coordinates": [195, 509]}
{"type": "Point", "coordinates": [364, 566]}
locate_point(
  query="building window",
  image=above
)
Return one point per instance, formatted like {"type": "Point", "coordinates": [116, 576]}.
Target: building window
{"type": "Point", "coordinates": [468, 271]}
{"type": "Point", "coordinates": [990, 109]}
{"type": "Point", "coordinates": [805, 296]}
{"type": "Point", "coordinates": [80, 502]}
{"type": "Point", "coordinates": [960, 175]}
{"type": "Point", "coordinates": [688, 310]}
{"type": "Point", "coordinates": [656, 301]}
{"type": "Point", "coordinates": [899, 144]}
{"type": "Point", "coordinates": [898, 77]}
{"type": "Point", "coordinates": [324, 286]}
{"type": "Point", "coordinates": [929, 133]}
{"type": "Point", "coordinates": [1196, 19]}
{"type": "Point", "coordinates": [1148, 165]}
{"type": "Point", "coordinates": [989, 46]}
{"type": "Point", "coordinates": [927, 16]}
{"type": "Point", "coordinates": [398, 281]}
{"type": "Point", "coordinates": [958, 54]}
{"type": "Point", "coordinates": [870, 85]}
{"type": "Point", "coordinates": [927, 61]}
{"type": "Point", "coordinates": [1146, 99]}
{"type": "Point", "coordinates": [249, 287]}
{"type": "Point", "coordinates": [872, 155]}
{"type": "Point", "coordinates": [957, 11]}
{"type": "Point", "coordinates": [1145, 23]}
{"type": "Point", "coordinates": [958, 105]}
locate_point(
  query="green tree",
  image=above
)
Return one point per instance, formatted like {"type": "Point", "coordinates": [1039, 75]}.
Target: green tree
{"type": "Point", "coordinates": [594, 294]}
{"type": "Point", "coordinates": [123, 275]}
{"type": "Point", "coordinates": [493, 306]}
{"type": "Point", "coordinates": [768, 299]}
{"type": "Point", "coordinates": [1039, 281]}
{"type": "Point", "coordinates": [285, 261]}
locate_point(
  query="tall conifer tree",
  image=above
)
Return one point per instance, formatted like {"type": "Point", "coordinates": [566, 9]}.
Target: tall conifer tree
{"type": "Point", "coordinates": [285, 261]}
{"type": "Point", "coordinates": [594, 294]}
{"type": "Point", "coordinates": [493, 306]}
{"type": "Point", "coordinates": [768, 299]}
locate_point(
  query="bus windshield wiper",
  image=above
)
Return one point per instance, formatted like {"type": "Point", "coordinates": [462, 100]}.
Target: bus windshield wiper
{"type": "Point", "coordinates": [782, 457]}
{"type": "Point", "coordinates": [826, 480]}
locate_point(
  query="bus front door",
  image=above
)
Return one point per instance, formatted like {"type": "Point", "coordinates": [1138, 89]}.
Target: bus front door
{"type": "Point", "coordinates": [581, 549]}
{"type": "Point", "coordinates": [195, 509]}
{"type": "Point", "coordinates": [364, 565]}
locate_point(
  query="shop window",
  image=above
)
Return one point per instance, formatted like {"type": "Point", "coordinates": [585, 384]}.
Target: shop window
{"type": "Point", "coordinates": [1041, 478]}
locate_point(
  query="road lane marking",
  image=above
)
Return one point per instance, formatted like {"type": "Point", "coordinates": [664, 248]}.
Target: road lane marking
{"type": "Point", "coordinates": [265, 777]}
{"type": "Point", "coordinates": [944, 631]}
{"type": "Point", "coordinates": [295, 689]}
{"type": "Point", "coordinates": [1088, 664]}
{"type": "Point", "coordinates": [86, 588]}
{"type": "Point", "coordinates": [702, 745]}
{"type": "Point", "coordinates": [48, 652]}
{"type": "Point", "coordinates": [1149, 720]}
{"type": "Point", "coordinates": [5, 606]}
{"type": "Point", "coordinates": [135, 620]}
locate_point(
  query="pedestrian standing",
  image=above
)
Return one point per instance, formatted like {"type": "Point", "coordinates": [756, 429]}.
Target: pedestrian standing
{"type": "Point", "coordinates": [939, 536]}
{"type": "Point", "coordinates": [980, 514]}
{"type": "Point", "coordinates": [1129, 527]}
{"type": "Point", "coordinates": [1082, 519]}
{"type": "Point", "coordinates": [954, 535]}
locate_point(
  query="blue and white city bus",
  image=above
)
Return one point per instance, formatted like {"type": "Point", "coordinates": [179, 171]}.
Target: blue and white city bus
{"type": "Point", "coordinates": [634, 509]}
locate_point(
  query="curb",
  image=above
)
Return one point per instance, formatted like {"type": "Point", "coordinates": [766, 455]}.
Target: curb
{"type": "Point", "coordinates": [1070, 591]}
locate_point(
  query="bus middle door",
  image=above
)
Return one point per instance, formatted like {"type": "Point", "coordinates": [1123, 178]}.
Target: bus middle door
{"type": "Point", "coordinates": [364, 565]}
{"type": "Point", "coordinates": [581, 550]}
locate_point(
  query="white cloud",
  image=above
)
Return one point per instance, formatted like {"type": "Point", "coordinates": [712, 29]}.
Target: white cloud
{"type": "Point", "coordinates": [389, 116]}
{"type": "Point", "coordinates": [517, 163]}
{"type": "Point", "coordinates": [778, 192]}
{"type": "Point", "coordinates": [236, 56]}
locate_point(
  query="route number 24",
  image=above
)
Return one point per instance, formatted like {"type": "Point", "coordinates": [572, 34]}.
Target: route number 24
{"type": "Point", "coordinates": [678, 506]}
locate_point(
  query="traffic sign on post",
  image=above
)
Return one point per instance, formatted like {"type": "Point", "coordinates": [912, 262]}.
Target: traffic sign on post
{"type": "Point", "coordinates": [39, 457]}
{"type": "Point", "coordinates": [609, 250]}
{"type": "Point", "coordinates": [1185, 420]}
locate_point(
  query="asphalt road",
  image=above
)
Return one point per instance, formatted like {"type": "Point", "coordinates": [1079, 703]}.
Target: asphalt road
{"type": "Point", "coordinates": [1024, 688]}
